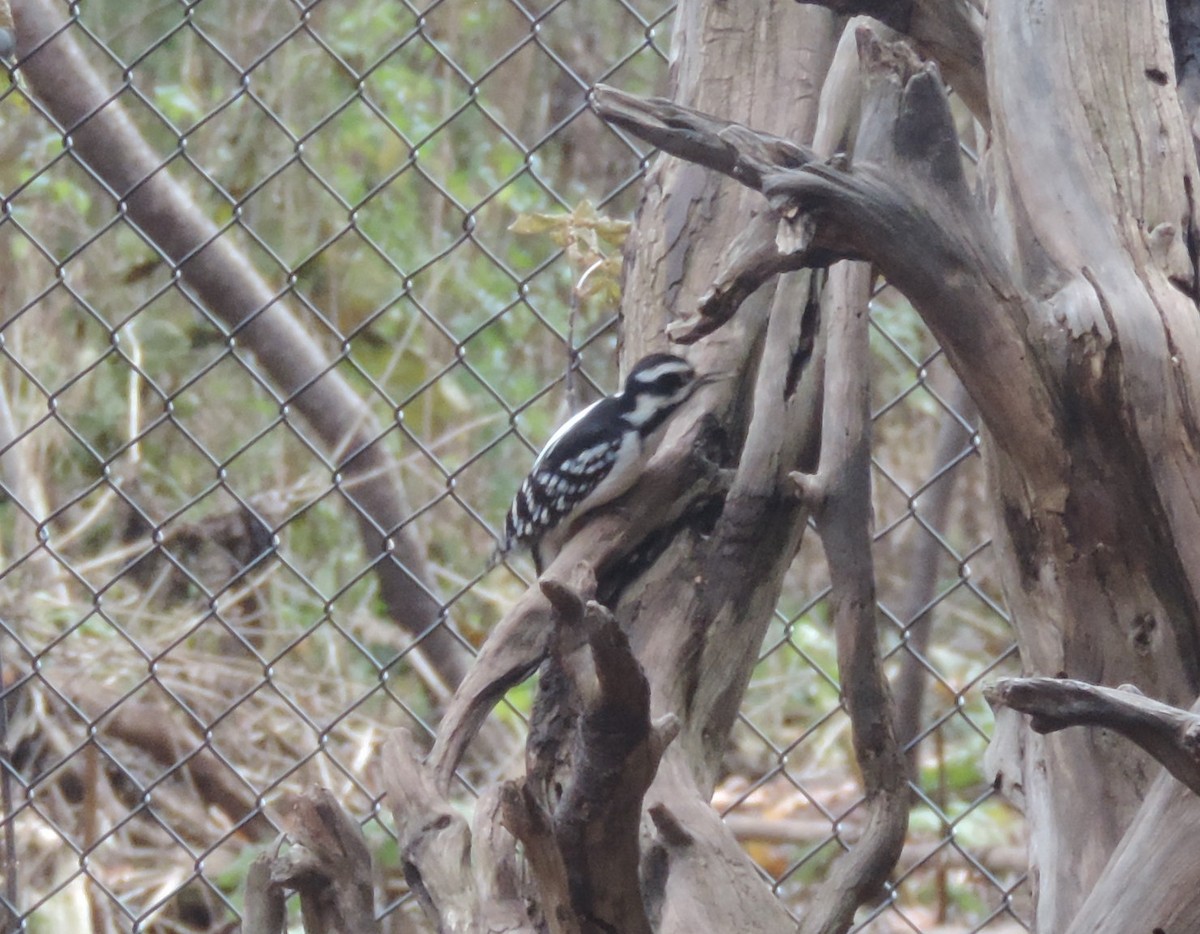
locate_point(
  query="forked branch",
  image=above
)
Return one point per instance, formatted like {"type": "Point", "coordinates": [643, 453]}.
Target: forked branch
{"type": "Point", "coordinates": [903, 204]}
{"type": "Point", "coordinates": [591, 755]}
{"type": "Point", "coordinates": [328, 865]}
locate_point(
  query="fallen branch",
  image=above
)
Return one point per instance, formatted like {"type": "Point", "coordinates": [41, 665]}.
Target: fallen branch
{"type": "Point", "coordinates": [176, 745]}
{"type": "Point", "coordinates": [100, 134]}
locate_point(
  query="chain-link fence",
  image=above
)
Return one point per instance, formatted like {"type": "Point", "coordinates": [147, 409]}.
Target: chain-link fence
{"type": "Point", "coordinates": [194, 620]}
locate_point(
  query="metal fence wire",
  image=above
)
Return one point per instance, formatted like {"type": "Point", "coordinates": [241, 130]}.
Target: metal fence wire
{"type": "Point", "coordinates": [191, 627]}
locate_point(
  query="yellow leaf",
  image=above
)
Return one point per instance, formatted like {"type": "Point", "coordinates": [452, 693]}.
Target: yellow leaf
{"type": "Point", "coordinates": [613, 231]}
{"type": "Point", "coordinates": [537, 223]}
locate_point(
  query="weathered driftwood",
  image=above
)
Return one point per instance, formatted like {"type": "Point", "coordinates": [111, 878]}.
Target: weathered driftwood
{"type": "Point", "coordinates": [949, 32]}
{"type": "Point", "coordinates": [904, 204]}
{"type": "Point", "coordinates": [669, 558]}
{"type": "Point", "coordinates": [840, 493]}
{"type": "Point", "coordinates": [327, 864]}
{"type": "Point", "coordinates": [688, 654]}
{"type": "Point", "coordinates": [678, 480]}
{"type": "Point", "coordinates": [1169, 734]}
{"type": "Point", "coordinates": [1065, 300]}
{"type": "Point", "coordinates": [1164, 825]}
{"type": "Point", "coordinates": [592, 753]}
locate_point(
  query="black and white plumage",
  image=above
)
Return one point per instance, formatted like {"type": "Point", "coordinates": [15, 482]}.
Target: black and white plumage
{"type": "Point", "coordinates": [597, 454]}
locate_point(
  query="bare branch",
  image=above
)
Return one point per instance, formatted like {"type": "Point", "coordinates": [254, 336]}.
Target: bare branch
{"type": "Point", "coordinates": [528, 821]}
{"type": "Point", "coordinates": [434, 840]}
{"type": "Point", "coordinates": [1169, 734]}
{"type": "Point", "coordinates": [843, 517]}
{"type": "Point", "coordinates": [502, 890]}
{"type": "Point", "coordinates": [617, 751]}
{"type": "Point", "coordinates": [592, 754]}
{"type": "Point", "coordinates": [730, 148]}
{"type": "Point", "coordinates": [754, 257]}
{"type": "Point", "coordinates": [168, 741]}
{"type": "Point", "coordinates": [466, 880]}
{"type": "Point", "coordinates": [915, 610]}
{"type": "Point", "coordinates": [904, 205]}
{"type": "Point", "coordinates": [264, 909]}
{"type": "Point", "coordinates": [951, 33]}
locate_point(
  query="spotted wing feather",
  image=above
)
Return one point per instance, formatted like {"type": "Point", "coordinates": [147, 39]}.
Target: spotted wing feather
{"type": "Point", "coordinates": [572, 465]}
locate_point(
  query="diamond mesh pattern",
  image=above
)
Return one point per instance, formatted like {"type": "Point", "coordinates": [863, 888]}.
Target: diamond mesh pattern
{"type": "Point", "coordinates": [190, 626]}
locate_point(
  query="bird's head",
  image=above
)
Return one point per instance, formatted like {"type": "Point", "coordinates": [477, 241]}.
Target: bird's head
{"type": "Point", "coordinates": [660, 383]}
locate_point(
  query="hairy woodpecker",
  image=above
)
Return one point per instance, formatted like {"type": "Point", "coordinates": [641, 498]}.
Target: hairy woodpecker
{"type": "Point", "coordinates": [597, 455]}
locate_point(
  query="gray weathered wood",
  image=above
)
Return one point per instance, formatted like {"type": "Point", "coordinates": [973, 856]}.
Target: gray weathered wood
{"type": "Point", "coordinates": [1066, 304]}
{"type": "Point", "coordinates": [329, 866]}
{"type": "Point", "coordinates": [1169, 734]}
{"type": "Point", "coordinates": [841, 488]}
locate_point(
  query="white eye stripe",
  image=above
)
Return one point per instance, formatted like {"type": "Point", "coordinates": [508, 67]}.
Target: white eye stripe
{"type": "Point", "coordinates": [655, 373]}
{"type": "Point", "coordinates": [644, 410]}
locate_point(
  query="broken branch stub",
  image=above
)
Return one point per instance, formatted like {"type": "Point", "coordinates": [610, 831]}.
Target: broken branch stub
{"type": "Point", "coordinates": [433, 838]}
{"type": "Point", "coordinates": [722, 145]}
{"type": "Point", "coordinates": [1171, 735]}
{"type": "Point", "coordinates": [329, 865]}
{"type": "Point", "coordinates": [584, 824]}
